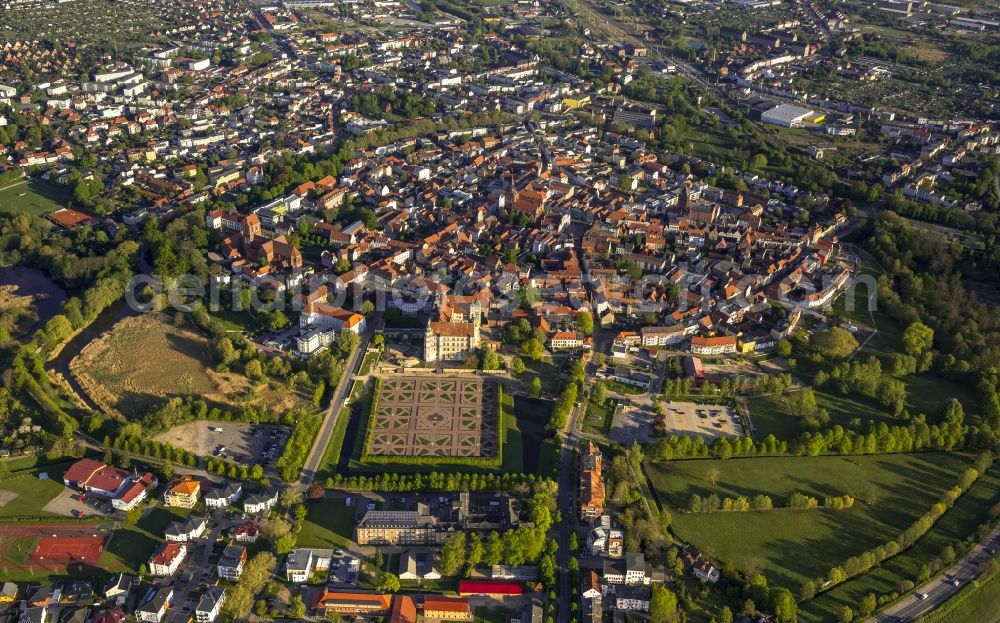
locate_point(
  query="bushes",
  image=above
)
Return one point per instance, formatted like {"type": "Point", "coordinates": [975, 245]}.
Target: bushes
{"type": "Point", "coordinates": [299, 444]}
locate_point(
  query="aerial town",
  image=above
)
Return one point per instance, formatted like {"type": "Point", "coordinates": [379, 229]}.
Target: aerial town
{"type": "Point", "coordinates": [504, 311]}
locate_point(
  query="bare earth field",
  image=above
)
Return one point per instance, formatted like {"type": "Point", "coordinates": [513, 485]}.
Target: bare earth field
{"type": "Point", "coordinates": [241, 446]}
{"type": "Point", "coordinates": [145, 360]}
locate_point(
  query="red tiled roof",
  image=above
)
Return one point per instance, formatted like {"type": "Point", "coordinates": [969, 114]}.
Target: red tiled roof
{"type": "Point", "coordinates": [489, 587]}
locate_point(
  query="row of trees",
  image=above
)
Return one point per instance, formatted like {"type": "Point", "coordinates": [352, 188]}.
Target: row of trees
{"type": "Point", "coordinates": [796, 501]}
{"type": "Point", "coordinates": [950, 434]}
{"type": "Point", "coordinates": [564, 404]}
{"type": "Point", "coordinates": [434, 481]}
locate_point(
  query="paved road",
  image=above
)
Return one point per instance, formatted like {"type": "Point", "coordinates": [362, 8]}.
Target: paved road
{"type": "Point", "coordinates": [337, 401]}
{"type": "Point", "coordinates": [566, 503]}
{"type": "Point", "coordinates": [939, 590]}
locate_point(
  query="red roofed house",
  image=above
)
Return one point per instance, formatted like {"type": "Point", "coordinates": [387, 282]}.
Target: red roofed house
{"type": "Point", "coordinates": [167, 558]}
{"type": "Point", "coordinates": [490, 588]}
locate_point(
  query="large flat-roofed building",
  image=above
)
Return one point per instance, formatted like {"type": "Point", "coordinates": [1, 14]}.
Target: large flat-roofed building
{"type": "Point", "coordinates": [417, 527]}
{"type": "Point", "coordinates": [787, 115]}
{"type": "Point", "coordinates": [636, 117]}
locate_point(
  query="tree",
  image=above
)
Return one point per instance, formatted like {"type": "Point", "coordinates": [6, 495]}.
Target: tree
{"type": "Point", "coordinates": [517, 365]}
{"type": "Point", "coordinates": [285, 544]}
{"type": "Point", "coordinates": [536, 387]}
{"type": "Point", "coordinates": [585, 323]}
{"type": "Point", "coordinates": [836, 343]}
{"type": "Point", "coordinates": [132, 516]}
{"type": "Point", "coordinates": [315, 492]}
{"type": "Point", "coordinates": [784, 348]}
{"type": "Point", "coordinates": [662, 605]}
{"type": "Point", "coordinates": [846, 615]}
{"type": "Point", "coordinates": [168, 469]}
{"type": "Point", "coordinates": [533, 348]}
{"type": "Point", "coordinates": [917, 338]}
{"type": "Point", "coordinates": [868, 604]}
{"type": "Point", "coordinates": [297, 607]}
{"type": "Point", "coordinates": [784, 606]}
{"type": "Point", "coordinates": [599, 392]}
{"type": "Point", "coordinates": [476, 551]}
{"type": "Point", "coordinates": [453, 554]}
{"type": "Point", "coordinates": [290, 497]}
{"type": "Point", "coordinates": [494, 549]}
{"type": "Point", "coordinates": [388, 583]}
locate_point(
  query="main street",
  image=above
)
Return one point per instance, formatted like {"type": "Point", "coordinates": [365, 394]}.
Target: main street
{"type": "Point", "coordinates": [338, 399]}
{"type": "Point", "coordinates": [566, 503]}
{"type": "Point", "coordinates": [934, 593]}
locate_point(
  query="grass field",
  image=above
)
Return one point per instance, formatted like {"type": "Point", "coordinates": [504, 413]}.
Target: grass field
{"type": "Point", "coordinates": [35, 197]}
{"type": "Point", "coordinates": [792, 546]}
{"type": "Point", "coordinates": [117, 372]}
{"type": "Point", "coordinates": [368, 362]}
{"type": "Point", "coordinates": [957, 524]}
{"type": "Point", "coordinates": [30, 495]}
{"type": "Point", "coordinates": [328, 524]}
{"type": "Point", "coordinates": [771, 414]}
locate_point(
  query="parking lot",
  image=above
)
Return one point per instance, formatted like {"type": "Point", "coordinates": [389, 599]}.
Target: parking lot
{"type": "Point", "coordinates": [705, 420]}
{"type": "Point", "coordinates": [244, 443]}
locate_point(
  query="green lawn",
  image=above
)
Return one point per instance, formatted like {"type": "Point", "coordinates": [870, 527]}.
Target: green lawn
{"type": "Point", "coordinates": [328, 467]}
{"type": "Point", "coordinates": [598, 418]}
{"type": "Point", "coordinates": [129, 548]}
{"type": "Point", "coordinates": [957, 524]}
{"type": "Point", "coordinates": [771, 415]}
{"type": "Point", "coordinates": [368, 362]}
{"type": "Point", "coordinates": [36, 197]}
{"type": "Point", "coordinates": [31, 495]}
{"type": "Point", "coordinates": [792, 546]}
{"type": "Point", "coordinates": [328, 524]}
{"type": "Point", "coordinates": [157, 520]}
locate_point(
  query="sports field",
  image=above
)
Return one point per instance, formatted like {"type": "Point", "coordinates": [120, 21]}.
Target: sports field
{"type": "Point", "coordinates": [33, 197]}
{"type": "Point", "coordinates": [791, 546]}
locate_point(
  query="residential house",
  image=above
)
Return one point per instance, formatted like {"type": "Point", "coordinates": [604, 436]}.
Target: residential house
{"type": "Point", "coordinates": [420, 566]}
{"type": "Point", "coordinates": [184, 493]}
{"type": "Point", "coordinates": [230, 565]}
{"type": "Point", "coordinates": [185, 530]}
{"type": "Point", "coordinates": [117, 589]}
{"type": "Point", "coordinates": [262, 502]}
{"type": "Point", "coordinates": [155, 608]}
{"type": "Point", "coordinates": [302, 562]}
{"type": "Point", "coordinates": [224, 495]}
{"type": "Point", "coordinates": [167, 559]}
{"type": "Point", "coordinates": [210, 604]}
{"type": "Point", "coordinates": [591, 482]}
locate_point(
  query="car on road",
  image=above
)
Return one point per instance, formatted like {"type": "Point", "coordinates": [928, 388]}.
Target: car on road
{"type": "Point", "coordinates": [955, 582]}
{"type": "Point", "coordinates": [921, 596]}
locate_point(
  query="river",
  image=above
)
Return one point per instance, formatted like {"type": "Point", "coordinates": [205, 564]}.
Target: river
{"type": "Point", "coordinates": [33, 282]}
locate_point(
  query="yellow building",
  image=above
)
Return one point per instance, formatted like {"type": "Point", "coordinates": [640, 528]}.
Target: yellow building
{"type": "Point", "coordinates": [576, 102]}
{"type": "Point", "coordinates": [184, 493]}
{"type": "Point", "coordinates": [745, 346]}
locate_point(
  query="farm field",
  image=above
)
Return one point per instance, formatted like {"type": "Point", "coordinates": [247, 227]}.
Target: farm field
{"type": "Point", "coordinates": [791, 546]}
{"type": "Point", "coordinates": [958, 523]}
{"type": "Point", "coordinates": [34, 197]}
{"type": "Point", "coordinates": [117, 373]}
